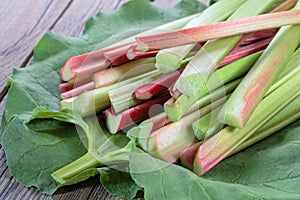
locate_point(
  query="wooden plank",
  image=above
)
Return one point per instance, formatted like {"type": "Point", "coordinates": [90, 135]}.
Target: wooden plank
{"type": "Point", "coordinates": [23, 24]}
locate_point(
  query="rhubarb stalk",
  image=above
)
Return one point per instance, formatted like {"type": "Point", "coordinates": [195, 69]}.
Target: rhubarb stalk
{"type": "Point", "coordinates": [224, 143]}
{"type": "Point", "coordinates": [169, 142]}
{"type": "Point", "coordinates": [154, 88]}
{"type": "Point", "coordinates": [94, 101]}
{"type": "Point", "coordinates": [116, 122]}
{"type": "Point", "coordinates": [168, 60]}
{"type": "Point", "coordinates": [218, 30]}
{"type": "Point", "coordinates": [122, 72]}
{"type": "Point", "coordinates": [254, 86]}
{"type": "Point", "coordinates": [122, 98]}
{"type": "Point", "coordinates": [219, 78]}
{"type": "Point", "coordinates": [207, 59]}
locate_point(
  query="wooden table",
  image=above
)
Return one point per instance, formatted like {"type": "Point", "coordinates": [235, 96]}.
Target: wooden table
{"type": "Point", "coordinates": [23, 23]}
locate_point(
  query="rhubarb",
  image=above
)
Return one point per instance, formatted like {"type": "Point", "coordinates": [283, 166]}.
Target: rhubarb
{"type": "Point", "coordinates": [188, 156]}
{"type": "Point", "coordinates": [156, 87]}
{"type": "Point", "coordinates": [122, 98]}
{"type": "Point", "coordinates": [95, 61]}
{"type": "Point", "coordinates": [224, 143]}
{"type": "Point", "coordinates": [169, 142]}
{"type": "Point", "coordinates": [207, 59]}
{"type": "Point", "coordinates": [64, 87]}
{"type": "Point", "coordinates": [116, 122]}
{"type": "Point", "coordinates": [218, 30]}
{"type": "Point", "coordinates": [222, 76]}
{"type": "Point", "coordinates": [245, 51]}
{"type": "Point", "coordinates": [286, 116]}
{"type": "Point", "coordinates": [207, 125]}
{"type": "Point", "coordinates": [142, 132]}
{"type": "Point", "coordinates": [168, 60]}
{"type": "Point", "coordinates": [122, 72]}
{"type": "Point", "coordinates": [78, 90]}
{"type": "Point", "coordinates": [254, 86]}
{"type": "Point", "coordinates": [91, 102]}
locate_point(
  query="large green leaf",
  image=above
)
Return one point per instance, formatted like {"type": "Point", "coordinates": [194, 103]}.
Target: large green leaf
{"type": "Point", "coordinates": [35, 150]}
{"type": "Point", "coordinates": [267, 170]}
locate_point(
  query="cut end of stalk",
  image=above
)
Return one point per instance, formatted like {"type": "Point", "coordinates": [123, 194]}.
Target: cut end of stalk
{"type": "Point", "coordinates": [112, 121]}
{"type": "Point", "coordinates": [66, 73]}
{"type": "Point", "coordinates": [173, 111]}
{"type": "Point", "coordinates": [141, 45]}
{"type": "Point", "coordinates": [191, 85]}
{"type": "Point", "coordinates": [231, 120]}
{"type": "Point", "coordinates": [67, 103]}
{"type": "Point", "coordinates": [167, 61]}
{"type": "Point", "coordinates": [142, 95]}
{"type": "Point", "coordinates": [199, 131]}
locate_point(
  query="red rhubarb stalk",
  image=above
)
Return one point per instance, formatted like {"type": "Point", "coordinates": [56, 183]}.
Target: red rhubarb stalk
{"type": "Point", "coordinates": [115, 53]}
{"type": "Point", "coordinates": [250, 36]}
{"type": "Point", "coordinates": [188, 156]}
{"type": "Point", "coordinates": [116, 122]}
{"type": "Point", "coordinates": [245, 51]}
{"type": "Point", "coordinates": [64, 87]}
{"type": "Point", "coordinates": [78, 90]}
{"type": "Point", "coordinates": [260, 35]}
{"type": "Point", "coordinates": [122, 72]}
{"type": "Point", "coordinates": [154, 88]}
{"type": "Point", "coordinates": [218, 30]}
{"type": "Point", "coordinates": [87, 63]}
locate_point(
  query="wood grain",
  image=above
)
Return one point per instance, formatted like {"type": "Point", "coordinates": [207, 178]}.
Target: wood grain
{"type": "Point", "coordinates": [25, 23]}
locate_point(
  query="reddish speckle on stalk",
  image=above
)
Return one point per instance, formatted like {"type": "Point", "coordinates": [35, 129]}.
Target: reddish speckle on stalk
{"type": "Point", "coordinates": [256, 92]}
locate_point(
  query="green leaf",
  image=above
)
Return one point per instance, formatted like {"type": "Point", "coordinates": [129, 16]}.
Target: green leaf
{"type": "Point", "coordinates": [35, 150]}
{"type": "Point", "coordinates": [267, 170]}
{"type": "Point", "coordinates": [118, 183]}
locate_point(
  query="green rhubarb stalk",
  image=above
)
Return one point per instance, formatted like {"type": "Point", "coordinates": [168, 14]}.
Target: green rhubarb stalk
{"type": "Point", "coordinates": [259, 79]}
{"type": "Point", "coordinates": [222, 76]}
{"type": "Point", "coordinates": [142, 132]}
{"type": "Point", "coordinates": [169, 142]}
{"type": "Point", "coordinates": [128, 70]}
{"type": "Point", "coordinates": [218, 147]}
{"type": "Point", "coordinates": [198, 71]}
{"type": "Point", "coordinates": [103, 149]}
{"type": "Point", "coordinates": [286, 116]}
{"type": "Point", "coordinates": [168, 60]}
{"type": "Point", "coordinates": [122, 98]}
{"type": "Point", "coordinates": [179, 108]}
{"type": "Point", "coordinates": [207, 125]}
{"type": "Point", "coordinates": [91, 102]}
{"type": "Point", "coordinates": [292, 63]}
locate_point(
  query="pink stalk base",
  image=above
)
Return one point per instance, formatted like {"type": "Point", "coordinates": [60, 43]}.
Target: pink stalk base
{"type": "Point", "coordinates": [154, 88]}
{"type": "Point", "coordinates": [78, 90]}
{"type": "Point", "coordinates": [116, 122]}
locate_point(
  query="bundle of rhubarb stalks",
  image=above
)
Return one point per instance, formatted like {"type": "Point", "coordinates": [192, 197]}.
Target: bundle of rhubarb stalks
{"type": "Point", "coordinates": [199, 89]}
